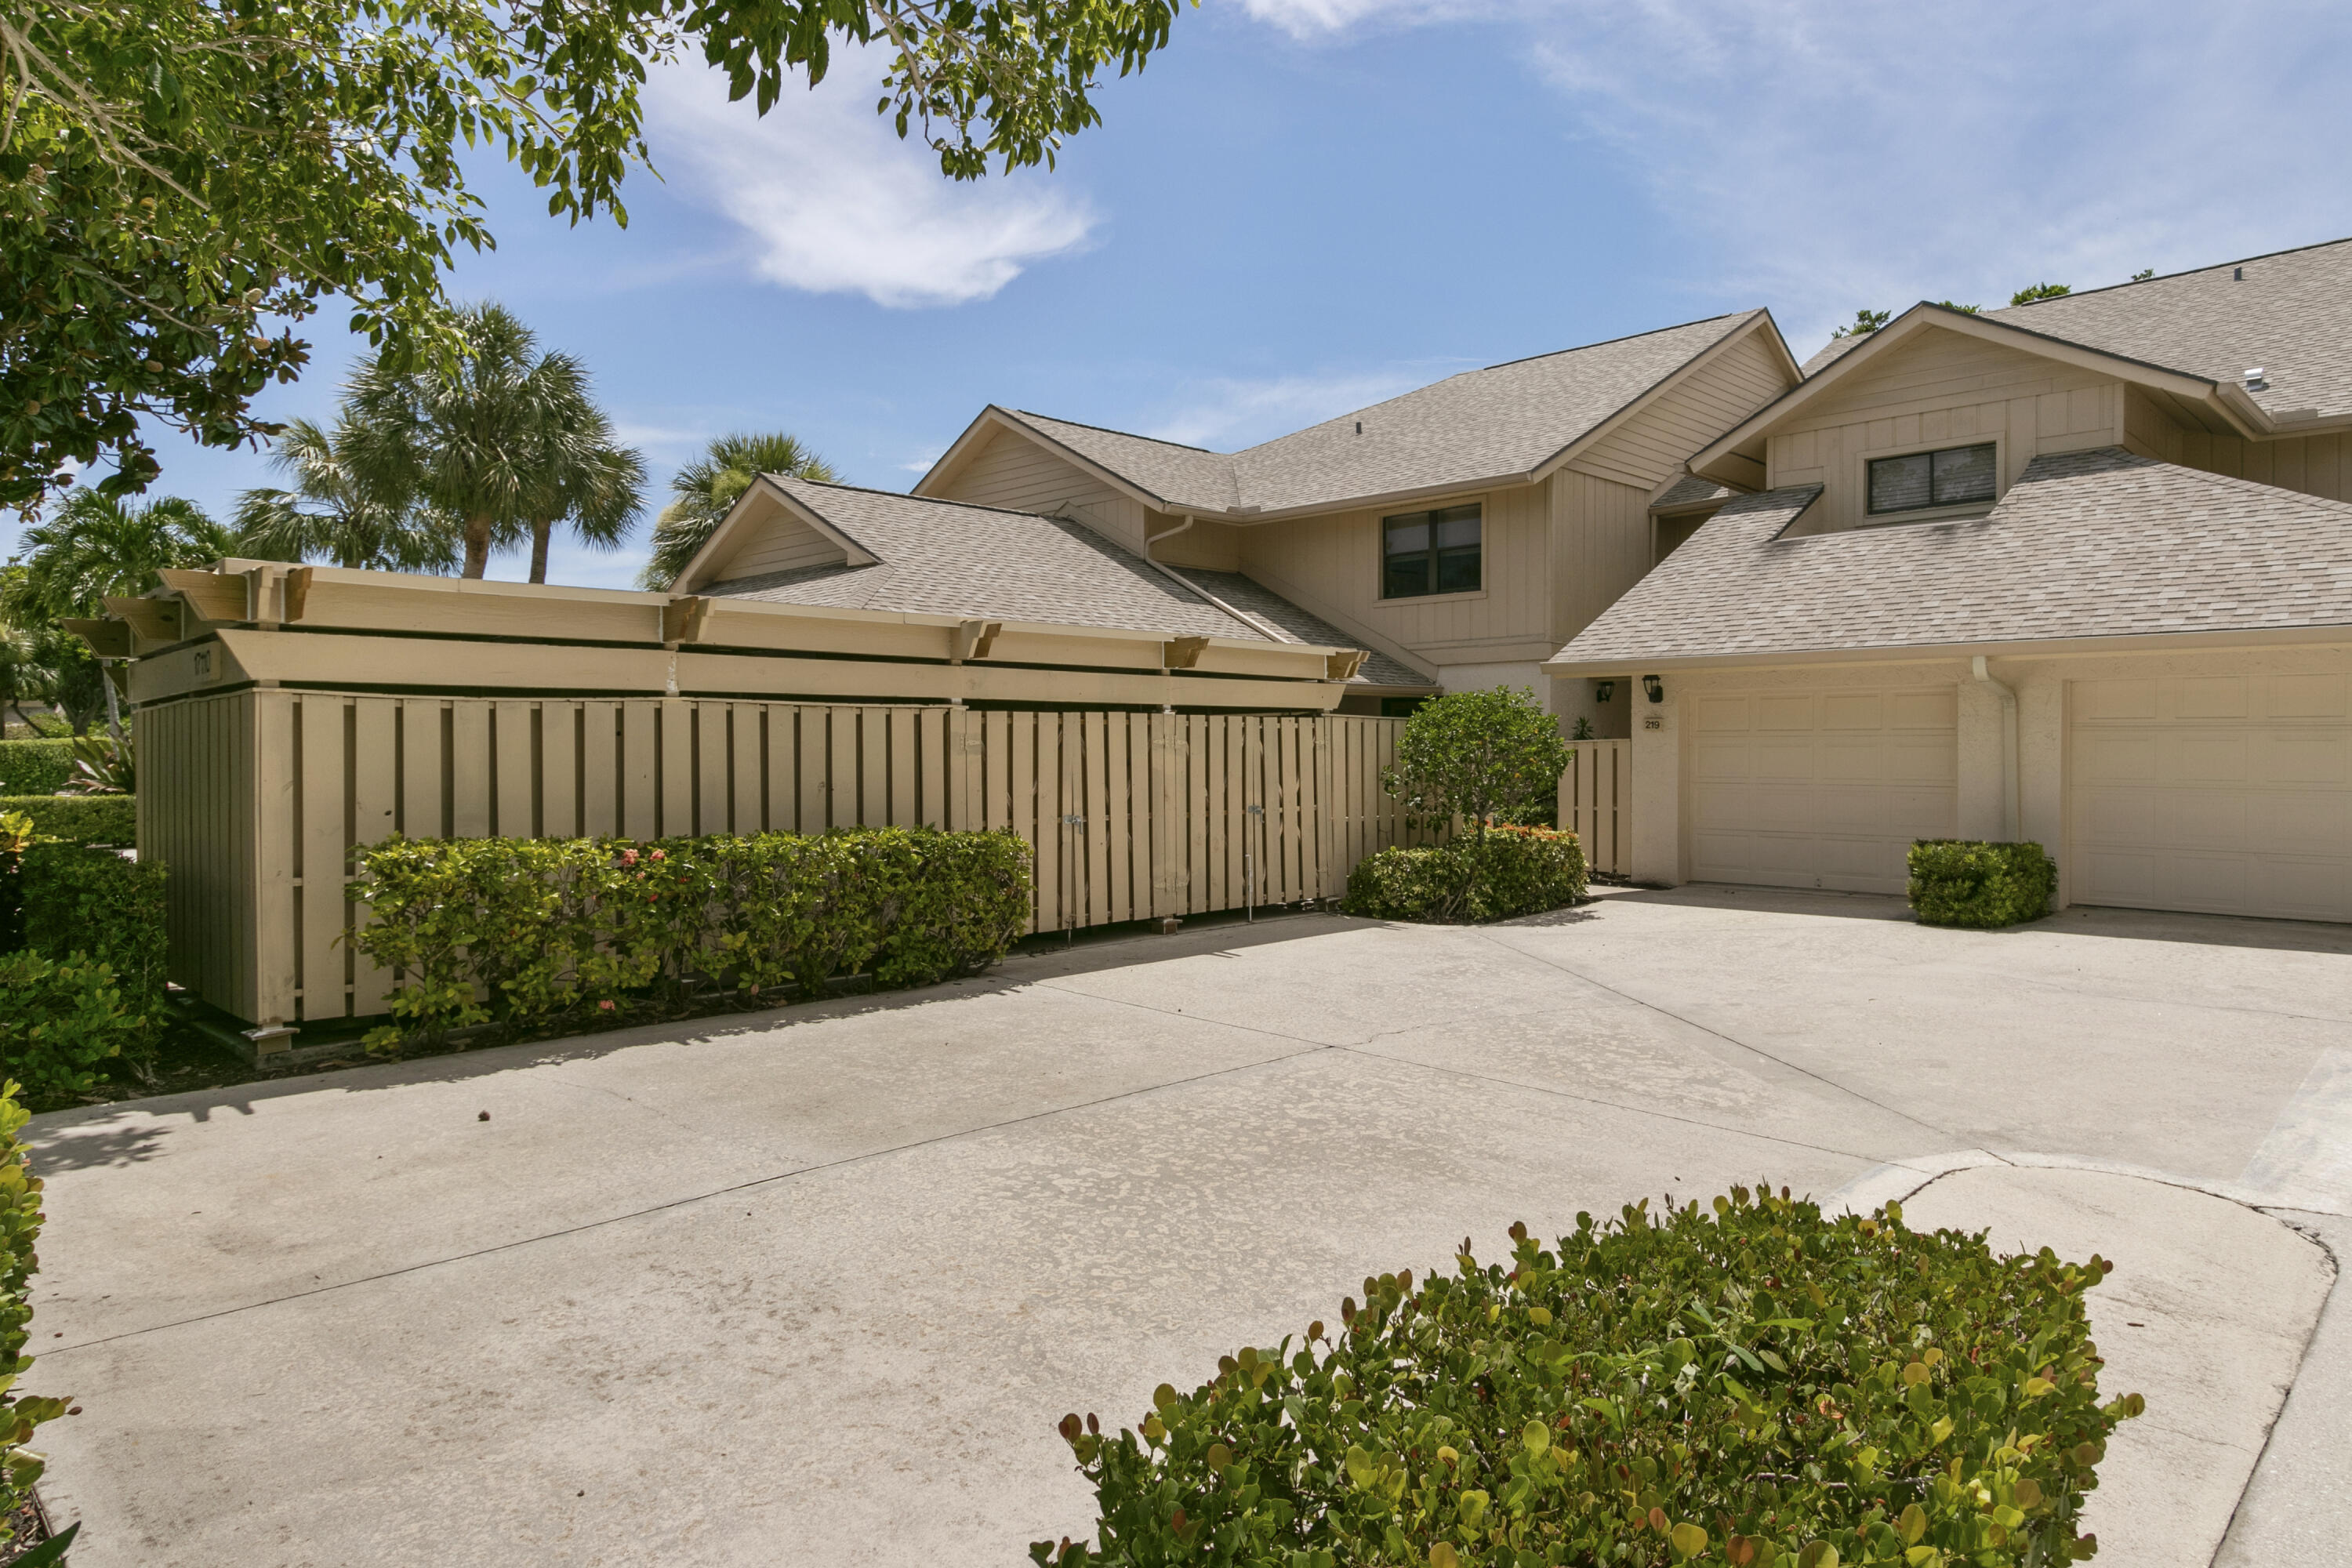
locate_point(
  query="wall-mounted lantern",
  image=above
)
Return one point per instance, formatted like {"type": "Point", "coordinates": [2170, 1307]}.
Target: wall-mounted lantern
{"type": "Point", "coordinates": [1602, 690]}
{"type": "Point", "coordinates": [1658, 691]}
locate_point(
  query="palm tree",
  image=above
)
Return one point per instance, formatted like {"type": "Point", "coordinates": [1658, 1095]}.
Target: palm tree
{"type": "Point", "coordinates": [599, 493]}
{"type": "Point", "coordinates": [507, 442]}
{"type": "Point", "coordinates": [96, 545]}
{"type": "Point", "coordinates": [330, 513]}
{"type": "Point", "coordinates": [708, 489]}
{"type": "Point", "coordinates": [23, 673]}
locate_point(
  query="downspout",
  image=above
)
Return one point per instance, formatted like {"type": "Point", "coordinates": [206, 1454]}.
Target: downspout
{"type": "Point", "coordinates": [2011, 807]}
{"type": "Point", "coordinates": [1272, 633]}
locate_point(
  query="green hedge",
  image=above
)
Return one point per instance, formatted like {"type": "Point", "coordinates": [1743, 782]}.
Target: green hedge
{"type": "Point", "coordinates": [83, 899]}
{"type": "Point", "coordinates": [1755, 1385]}
{"type": "Point", "coordinates": [81, 818]}
{"type": "Point", "coordinates": [1512, 871]}
{"type": "Point", "coordinates": [61, 1021]}
{"type": "Point", "coordinates": [528, 932]}
{"type": "Point", "coordinates": [20, 1228]}
{"type": "Point", "coordinates": [35, 767]}
{"type": "Point", "coordinates": [1970, 882]}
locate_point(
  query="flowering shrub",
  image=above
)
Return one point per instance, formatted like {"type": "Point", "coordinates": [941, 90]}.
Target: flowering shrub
{"type": "Point", "coordinates": [1753, 1384]}
{"type": "Point", "coordinates": [528, 932]}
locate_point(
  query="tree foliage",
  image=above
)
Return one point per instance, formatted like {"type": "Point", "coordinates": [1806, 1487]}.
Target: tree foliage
{"type": "Point", "coordinates": [708, 489]}
{"type": "Point", "coordinates": [330, 514]}
{"type": "Point", "coordinates": [1481, 756]}
{"type": "Point", "coordinates": [95, 545]}
{"type": "Point", "coordinates": [2033, 292]}
{"type": "Point", "coordinates": [183, 182]}
{"type": "Point", "coordinates": [507, 441]}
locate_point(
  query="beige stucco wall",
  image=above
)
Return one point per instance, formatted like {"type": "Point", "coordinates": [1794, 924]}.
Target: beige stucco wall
{"type": "Point", "coordinates": [1661, 837]}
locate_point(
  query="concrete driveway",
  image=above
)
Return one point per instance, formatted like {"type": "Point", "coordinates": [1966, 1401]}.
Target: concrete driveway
{"type": "Point", "coordinates": [815, 1285]}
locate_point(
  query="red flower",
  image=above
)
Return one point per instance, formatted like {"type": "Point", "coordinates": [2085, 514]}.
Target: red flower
{"type": "Point", "coordinates": [657, 855]}
{"type": "Point", "coordinates": [604, 1006]}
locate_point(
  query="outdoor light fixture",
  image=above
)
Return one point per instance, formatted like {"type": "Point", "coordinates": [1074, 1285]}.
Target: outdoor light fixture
{"type": "Point", "coordinates": [1602, 690]}
{"type": "Point", "coordinates": [1651, 685]}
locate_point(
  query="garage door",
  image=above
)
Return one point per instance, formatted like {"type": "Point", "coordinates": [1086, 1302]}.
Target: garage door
{"type": "Point", "coordinates": [2226, 793]}
{"type": "Point", "coordinates": [1819, 789]}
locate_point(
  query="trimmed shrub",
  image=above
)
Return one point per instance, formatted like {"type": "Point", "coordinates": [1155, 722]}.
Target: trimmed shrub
{"type": "Point", "coordinates": [1755, 1385]}
{"type": "Point", "coordinates": [35, 767]}
{"type": "Point", "coordinates": [82, 900]}
{"type": "Point", "coordinates": [81, 818]}
{"type": "Point", "coordinates": [1518, 871]}
{"type": "Point", "coordinates": [60, 1020]}
{"type": "Point", "coordinates": [1971, 882]}
{"type": "Point", "coordinates": [529, 931]}
{"type": "Point", "coordinates": [20, 1228]}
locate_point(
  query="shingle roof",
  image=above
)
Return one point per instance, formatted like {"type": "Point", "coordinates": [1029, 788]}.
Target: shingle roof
{"type": "Point", "coordinates": [2097, 543]}
{"type": "Point", "coordinates": [2291, 314]}
{"type": "Point", "coordinates": [1691, 492]}
{"type": "Point", "coordinates": [949, 558]}
{"type": "Point", "coordinates": [1255, 598]}
{"type": "Point", "coordinates": [1481, 425]}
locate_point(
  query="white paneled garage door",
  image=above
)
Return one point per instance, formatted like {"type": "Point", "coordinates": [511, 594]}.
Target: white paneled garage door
{"type": "Point", "coordinates": [2229, 794]}
{"type": "Point", "coordinates": [1819, 789]}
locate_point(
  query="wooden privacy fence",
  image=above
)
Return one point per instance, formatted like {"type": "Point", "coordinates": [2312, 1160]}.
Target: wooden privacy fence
{"type": "Point", "coordinates": [1596, 803]}
{"type": "Point", "coordinates": [255, 798]}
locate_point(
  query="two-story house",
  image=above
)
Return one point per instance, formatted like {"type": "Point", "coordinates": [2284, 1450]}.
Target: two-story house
{"type": "Point", "coordinates": [2078, 572]}
{"type": "Point", "coordinates": [1460, 533]}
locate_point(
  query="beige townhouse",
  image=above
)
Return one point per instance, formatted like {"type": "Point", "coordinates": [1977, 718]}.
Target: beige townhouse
{"type": "Point", "coordinates": [2077, 572]}
{"type": "Point", "coordinates": [1459, 534]}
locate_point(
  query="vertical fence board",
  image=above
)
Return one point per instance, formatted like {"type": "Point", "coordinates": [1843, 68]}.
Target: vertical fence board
{"type": "Point", "coordinates": [470, 768]}
{"type": "Point", "coordinates": [713, 773]}
{"type": "Point", "coordinates": [640, 770]}
{"type": "Point", "coordinates": [374, 778]}
{"type": "Point", "coordinates": [747, 736]}
{"type": "Point", "coordinates": [904, 812]}
{"type": "Point", "coordinates": [675, 813]}
{"type": "Point", "coordinates": [319, 756]}
{"type": "Point", "coordinates": [513, 770]}
{"type": "Point", "coordinates": [559, 811]}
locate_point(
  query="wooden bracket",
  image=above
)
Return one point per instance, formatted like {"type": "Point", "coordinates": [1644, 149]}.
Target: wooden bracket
{"type": "Point", "coordinates": [108, 640]}
{"type": "Point", "coordinates": [296, 591]}
{"type": "Point", "coordinates": [1182, 653]}
{"type": "Point", "coordinates": [215, 596]}
{"type": "Point", "coordinates": [157, 620]}
{"type": "Point", "coordinates": [973, 639]}
{"type": "Point", "coordinates": [683, 620]}
{"type": "Point", "coordinates": [1343, 666]}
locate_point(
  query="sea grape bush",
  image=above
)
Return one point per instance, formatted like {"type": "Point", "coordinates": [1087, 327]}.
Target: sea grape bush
{"type": "Point", "coordinates": [529, 931]}
{"type": "Point", "coordinates": [1749, 1384]}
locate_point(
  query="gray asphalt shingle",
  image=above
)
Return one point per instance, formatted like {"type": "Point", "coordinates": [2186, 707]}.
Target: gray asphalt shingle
{"type": "Point", "coordinates": [1254, 599]}
{"type": "Point", "coordinates": [2097, 543]}
{"type": "Point", "coordinates": [947, 557]}
{"type": "Point", "coordinates": [1486, 424]}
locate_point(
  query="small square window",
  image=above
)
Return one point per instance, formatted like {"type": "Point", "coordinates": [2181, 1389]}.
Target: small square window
{"type": "Point", "coordinates": [1425, 552]}
{"type": "Point", "coordinates": [1954, 476]}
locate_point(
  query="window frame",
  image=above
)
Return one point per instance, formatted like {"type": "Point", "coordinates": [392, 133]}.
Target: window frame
{"type": "Point", "coordinates": [1381, 555]}
{"type": "Point", "coordinates": [1931, 512]}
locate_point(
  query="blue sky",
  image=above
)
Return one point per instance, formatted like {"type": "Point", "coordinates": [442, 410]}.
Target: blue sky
{"type": "Point", "coordinates": [1305, 206]}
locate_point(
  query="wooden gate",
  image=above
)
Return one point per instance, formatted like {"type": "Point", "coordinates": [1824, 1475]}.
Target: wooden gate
{"type": "Point", "coordinates": [256, 799]}
{"type": "Point", "coordinates": [1596, 803]}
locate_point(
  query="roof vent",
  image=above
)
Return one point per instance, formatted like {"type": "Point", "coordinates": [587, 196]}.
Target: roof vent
{"type": "Point", "coordinates": [1359, 427]}
{"type": "Point", "coordinates": [2237, 275]}
{"type": "Point", "coordinates": [2254, 381]}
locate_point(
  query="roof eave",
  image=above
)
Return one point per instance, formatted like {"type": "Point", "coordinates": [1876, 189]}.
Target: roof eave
{"type": "Point", "coordinates": [1632, 410]}
{"type": "Point", "coordinates": [1914, 653]}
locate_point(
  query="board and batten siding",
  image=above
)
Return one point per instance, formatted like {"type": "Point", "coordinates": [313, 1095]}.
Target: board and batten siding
{"type": "Point", "coordinates": [1018, 474]}
{"type": "Point", "coordinates": [780, 542]}
{"type": "Point", "coordinates": [1943, 388]}
{"type": "Point", "coordinates": [2310, 464]}
{"type": "Point", "coordinates": [1654, 443]}
{"type": "Point", "coordinates": [1331, 565]}
{"type": "Point", "coordinates": [260, 797]}
{"type": "Point", "coordinates": [1601, 546]}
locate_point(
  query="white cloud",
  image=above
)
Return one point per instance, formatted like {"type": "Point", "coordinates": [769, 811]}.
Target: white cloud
{"type": "Point", "coordinates": [1228, 414]}
{"type": "Point", "coordinates": [831, 200]}
{"type": "Point", "coordinates": [1835, 155]}
{"type": "Point", "coordinates": [1305, 19]}
{"type": "Point", "coordinates": [1820, 155]}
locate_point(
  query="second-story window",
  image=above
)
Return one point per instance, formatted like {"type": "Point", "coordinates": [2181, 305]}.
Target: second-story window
{"type": "Point", "coordinates": [1425, 552]}
{"type": "Point", "coordinates": [1918, 480]}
